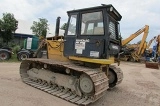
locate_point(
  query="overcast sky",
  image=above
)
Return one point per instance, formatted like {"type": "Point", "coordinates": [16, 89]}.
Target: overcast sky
{"type": "Point", "coordinates": [135, 13]}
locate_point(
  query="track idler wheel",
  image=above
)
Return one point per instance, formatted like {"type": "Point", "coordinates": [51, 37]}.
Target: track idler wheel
{"type": "Point", "coordinates": [115, 76]}
{"type": "Point", "coordinates": [112, 78]}
{"type": "Point", "coordinates": [86, 85]}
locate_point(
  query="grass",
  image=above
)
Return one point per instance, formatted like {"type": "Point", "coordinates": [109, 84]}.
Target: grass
{"type": "Point", "coordinates": [13, 58]}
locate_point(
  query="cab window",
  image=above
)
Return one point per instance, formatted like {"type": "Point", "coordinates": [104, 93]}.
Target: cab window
{"type": "Point", "coordinates": [72, 25]}
{"type": "Point", "coordinates": [92, 24]}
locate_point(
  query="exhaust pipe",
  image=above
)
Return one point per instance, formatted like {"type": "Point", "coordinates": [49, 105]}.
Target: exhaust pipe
{"type": "Point", "coordinates": [57, 26]}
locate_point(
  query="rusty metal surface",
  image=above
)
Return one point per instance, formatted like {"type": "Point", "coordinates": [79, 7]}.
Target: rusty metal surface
{"type": "Point", "coordinates": [99, 79]}
{"type": "Point", "coordinates": [154, 65]}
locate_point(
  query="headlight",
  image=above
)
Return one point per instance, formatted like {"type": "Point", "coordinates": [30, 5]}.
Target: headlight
{"type": "Point", "coordinates": [115, 47]}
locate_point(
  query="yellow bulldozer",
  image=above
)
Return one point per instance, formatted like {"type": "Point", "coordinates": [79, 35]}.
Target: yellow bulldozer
{"type": "Point", "coordinates": [79, 67]}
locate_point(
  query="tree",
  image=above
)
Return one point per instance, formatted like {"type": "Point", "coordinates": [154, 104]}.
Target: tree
{"type": "Point", "coordinates": [64, 26]}
{"type": "Point", "coordinates": [8, 26]}
{"type": "Point", "coordinates": [40, 28]}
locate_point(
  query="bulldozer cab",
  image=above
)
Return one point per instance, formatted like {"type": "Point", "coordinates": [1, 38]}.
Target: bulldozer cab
{"type": "Point", "coordinates": [93, 32]}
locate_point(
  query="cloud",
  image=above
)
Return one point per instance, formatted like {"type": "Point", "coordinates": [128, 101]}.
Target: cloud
{"type": "Point", "coordinates": [135, 14]}
{"type": "Point", "coordinates": [20, 8]}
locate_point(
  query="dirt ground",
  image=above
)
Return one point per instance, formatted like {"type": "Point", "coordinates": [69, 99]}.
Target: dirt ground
{"type": "Point", "coordinates": [140, 87]}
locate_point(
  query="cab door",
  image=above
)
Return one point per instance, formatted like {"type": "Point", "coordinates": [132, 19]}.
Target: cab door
{"type": "Point", "coordinates": [70, 35]}
{"type": "Point", "coordinates": [90, 40]}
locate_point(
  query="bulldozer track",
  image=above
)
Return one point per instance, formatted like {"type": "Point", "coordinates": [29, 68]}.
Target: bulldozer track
{"type": "Point", "coordinates": [119, 74]}
{"type": "Point", "coordinates": [98, 78]}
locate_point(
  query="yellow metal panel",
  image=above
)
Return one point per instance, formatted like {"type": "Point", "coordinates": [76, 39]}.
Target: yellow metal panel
{"type": "Point", "coordinates": [57, 57]}
{"type": "Point", "coordinates": [55, 50]}
{"type": "Point", "coordinates": [98, 61]}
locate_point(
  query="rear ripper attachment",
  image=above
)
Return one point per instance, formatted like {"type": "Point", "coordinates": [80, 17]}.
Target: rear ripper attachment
{"type": "Point", "coordinates": [77, 84]}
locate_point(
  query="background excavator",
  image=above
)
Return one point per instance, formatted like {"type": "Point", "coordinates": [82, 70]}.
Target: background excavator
{"type": "Point", "coordinates": [133, 52]}
{"type": "Point", "coordinates": [150, 42]}
{"type": "Point", "coordinates": [148, 51]}
{"type": "Point", "coordinates": [79, 66]}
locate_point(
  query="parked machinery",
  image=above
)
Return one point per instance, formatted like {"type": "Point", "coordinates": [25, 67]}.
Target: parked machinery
{"type": "Point", "coordinates": [133, 52]}
{"type": "Point", "coordinates": [32, 48]}
{"type": "Point", "coordinates": [5, 53]}
{"type": "Point", "coordinates": [153, 60]}
{"type": "Point", "coordinates": [148, 51]}
{"type": "Point", "coordinates": [79, 66]}
{"type": "Point", "coordinates": [158, 45]}
{"type": "Point", "coordinates": [150, 42]}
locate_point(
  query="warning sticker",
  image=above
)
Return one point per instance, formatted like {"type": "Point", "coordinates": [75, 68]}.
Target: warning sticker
{"type": "Point", "coordinates": [79, 45]}
{"type": "Point", "coordinates": [79, 51]}
{"type": "Point", "coordinates": [94, 54]}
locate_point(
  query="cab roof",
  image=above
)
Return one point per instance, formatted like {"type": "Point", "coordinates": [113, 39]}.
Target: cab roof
{"type": "Point", "coordinates": [110, 10]}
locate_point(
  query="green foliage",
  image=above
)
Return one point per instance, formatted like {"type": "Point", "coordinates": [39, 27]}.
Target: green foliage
{"type": "Point", "coordinates": [13, 58]}
{"type": "Point", "coordinates": [40, 28]}
{"type": "Point", "coordinates": [64, 26]}
{"type": "Point", "coordinates": [16, 48]}
{"type": "Point", "coordinates": [8, 25]}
